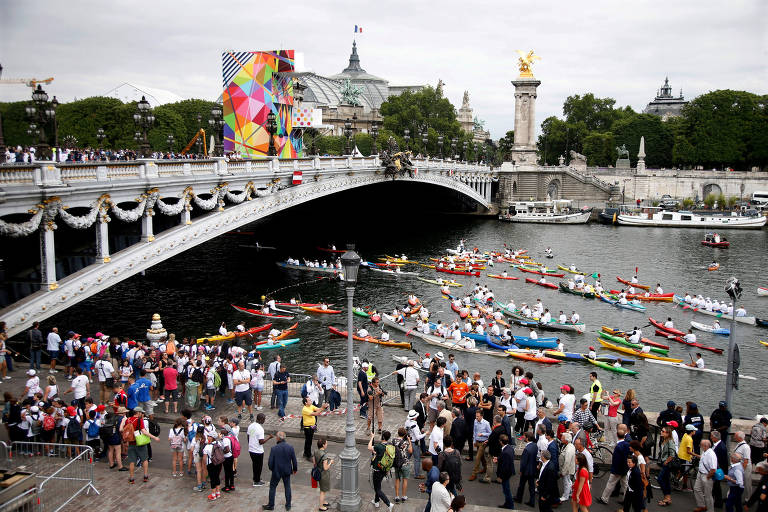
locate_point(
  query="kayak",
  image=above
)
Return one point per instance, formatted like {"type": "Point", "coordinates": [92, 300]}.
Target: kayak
{"type": "Point", "coordinates": [696, 369]}
{"type": "Point", "coordinates": [375, 318]}
{"type": "Point", "coordinates": [645, 341]}
{"type": "Point", "coordinates": [233, 335]}
{"type": "Point", "coordinates": [714, 267]}
{"type": "Point", "coordinates": [750, 320]}
{"type": "Point", "coordinates": [721, 245]}
{"type": "Point", "coordinates": [761, 323]}
{"type": "Point", "coordinates": [497, 276]}
{"type": "Point", "coordinates": [557, 326]}
{"type": "Point", "coordinates": [664, 297]}
{"type": "Point", "coordinates": [527, 356]}
{"type": "Point", "coordinates": [395, 259]}
{"type": "Point", "coordinates": [279, 344]}
{"type": "Point", "coordinates": [320, 310]}
{"type": "Point", "coordinates": [565, 289]}
{"type": "Point", "coordinates": [566, 269]}
{"type": "Point", "coordinates": [636, 353]}
{"type": "Point", "coordinates": [440, 282]}
{"type": "Point", "coordinates": [680, 339]}
{"type": "Point", "coordinates": [256, 312]}
{"type": "Point", "coordinates": [297, 304]}
{"type": "Point", "coordinates": [629, 283]}
{"type": "Point", "coordinates": [545, 285]}
{"type": "Point", "coordinates": [764, 343]}
{"type": "Point", "coordinates": [710, 328]}
{"type": "Point", "coordinates": [293, 266]}
{"type": "Point", "coordinates": [548, 274]}
{"type": "Point", "coordinates": [286, 332]}
{"type": "Point", "coordinates": [627, 343]}
{"type": "Point", "coordinates": [763, 291]}
{"type": "Point", "coordinates": [459, 272]}
{"type": "Point", "coordinates": [575, 356]}
{"type": "Point", "coordinates": [360, 312]}
{"type": "Point", "coordinates": [334, 251]}
{"type": "Point", "coordinates": [606, 366]}
{"type": "Point", "coordinates": [392, 272]}
{"type": "Point", "coordinates": [371, 339]}
{"type": "Point", "coordinates": [670, 330]}
{"type": "Point", "coordinates": [462, 314]}
{"type": "Point", "coordinates": [542, 343]}
{"type": "Point", "coordinates": [631, 307]}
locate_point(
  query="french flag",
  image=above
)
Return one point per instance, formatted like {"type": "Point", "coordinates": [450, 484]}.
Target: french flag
{"type": "Point", "coordinates": [358, 30]}
{"type": "Point", "coordinates": [297, 177]}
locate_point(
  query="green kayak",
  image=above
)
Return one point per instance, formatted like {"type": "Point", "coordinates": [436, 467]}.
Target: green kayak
{"type": "Point", "coordinates": [606, 366]}
{"type": "Point", "coordinates": [638, 346]}
{"type": "Point", "coordinates": [564, 288]}
{"type": "Point", "coordinates": [360, 312]}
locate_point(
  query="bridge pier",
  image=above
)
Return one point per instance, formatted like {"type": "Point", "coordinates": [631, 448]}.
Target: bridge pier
{"type": "Point", "coordinates": [102, 237]}
{"type": "Point", "coordinates": [47, 256]}
{"type": "Point", "coordinates": [147, 233]}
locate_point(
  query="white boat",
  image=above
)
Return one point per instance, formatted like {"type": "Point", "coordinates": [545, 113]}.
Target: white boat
{"type": "Point", "coordinates": [749, 320]}
{"type": "Point", "coordinates": [658, 217]}
{"type": "Point", "coordinates": [710, 328]}
{"type": "Point", "coordinates": [696, 369]}
{"type": "Point", "coordinates": [392, 272]}
{"type": "Point", "coordinates": [762, 291]}
{"type": "Point", "coordinates": [558, 211]}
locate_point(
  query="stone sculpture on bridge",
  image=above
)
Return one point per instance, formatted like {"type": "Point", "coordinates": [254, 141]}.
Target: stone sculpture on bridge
{"type": "Point", "coordinates": [524, 63]}
{"type": "Point", "coordinates": [395, 161]}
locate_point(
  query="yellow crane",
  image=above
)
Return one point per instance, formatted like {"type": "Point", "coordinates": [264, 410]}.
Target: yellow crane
{"type": "Point", "coordinates": [29, 82]}
{"type": "Point", "coordinates": [199, 133]}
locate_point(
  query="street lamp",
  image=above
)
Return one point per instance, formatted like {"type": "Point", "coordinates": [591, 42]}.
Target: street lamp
{"type": "Point", "coordinates": [407, 137]}
{"type": "Point", "coordinates": [100, 136]}
{"type": "Point", "coordinates": [465, 150]}
{"type": "Point", "coordinates": [733, 289]}
{"type": "Point", "coordinates": [217, 123]}
{"type": "Point", "coordinates": [440, 145]}
{"type": "Point", "coordinates": [41, 112]}
{"type": "Point", "coordinates": [374, 135]}
{"type": "Point", "coordinates": [298, 96]}
{"type": "Point", "coordinates": [144, 119]}
{"type": "Point", "coordinates": [199, 141]}
{"type": "Point", "coordinates": [271, 129]}
{"type": "Point", "coordinates": [348, 135]}
{"type": "Point", "coordinates": [425, 139]}
{"type": "Point", "coordinates": [170, 140]}
{"type": "Point", "coordinates": [349, 456]}
{"type": "Point", "coordinates": [454, 141]}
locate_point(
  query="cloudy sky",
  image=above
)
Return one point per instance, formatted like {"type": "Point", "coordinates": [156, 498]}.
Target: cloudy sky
{"type": "Point", "coordinates": [618, 49]}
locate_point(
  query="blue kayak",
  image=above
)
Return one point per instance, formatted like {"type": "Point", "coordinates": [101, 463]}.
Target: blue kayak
{"type": "Point", "coordinates": [526, 342]}
{"type": "Point", "coordinates": [278, 344]}
{"type": "Point", "coordinates": [631, 307]}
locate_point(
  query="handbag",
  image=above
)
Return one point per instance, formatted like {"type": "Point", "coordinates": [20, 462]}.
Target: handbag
{"type": "Point", "coordinates": [142, 439]}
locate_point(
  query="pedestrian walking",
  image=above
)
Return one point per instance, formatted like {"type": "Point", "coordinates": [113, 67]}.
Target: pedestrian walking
{"type": "Point", "coordinates": [505, 470]}
{"type": "Point", "coordinates": [324, 463]}
{"type": "Point", "coordinates": [282, 462]}
{"type": "Point", "coordinates": [581, 498]}
{"type": "Point", "coordinates": [383, 458]}
{"type": "Point", "coordinates": [256, 441]}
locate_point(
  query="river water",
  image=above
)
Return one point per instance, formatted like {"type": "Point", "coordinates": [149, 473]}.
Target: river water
{"type": "Point", "coordinates": [194, 290]}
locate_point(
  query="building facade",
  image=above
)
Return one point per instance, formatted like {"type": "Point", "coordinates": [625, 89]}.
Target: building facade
{"type": "Point", "coordinates": [664, 104]}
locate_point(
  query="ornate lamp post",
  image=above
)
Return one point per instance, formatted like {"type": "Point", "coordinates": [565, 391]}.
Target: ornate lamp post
{"type": "Point", "coordinates": [425, 139]}
{"type": "Point", "coordinates": [40, 112]}
{"type": "Point", "coordinates": [348, 135]}
{"type": "Point", "coordinates": [350, 486]}
{"type": "Point", "coordinates": [170, 140]}
{"type": "Point", "coordinates": [298, 96]}
{"type": "Point", "coordinates": [407, 137]}
{"type": "Point", "coordinates": [374, 135]}
{"type": "Point", "coordinates": [100, 136]}
{"type": "Point", "coordinates": [217, 123]}
{"type": "Point", "coordinates": [271, 129]}
{"type": "Point", "coordinates": [454, 141]}
{"type": "Point", "coordinates": [144, 119]}
{"type": "Point", "coordinates": [440, 145]}
{"type": "Point", "coordinates": [465, 150]}
{"type": "Point", "coordinates": [733, 289]}
{"type": "Point", "coordinates": [199, 141]}
{"type": "Point", "coordinates": [51, 112]}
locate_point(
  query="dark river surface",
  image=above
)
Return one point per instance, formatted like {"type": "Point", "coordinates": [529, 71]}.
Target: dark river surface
{"type": "Point", "coordinates": [193, 291]}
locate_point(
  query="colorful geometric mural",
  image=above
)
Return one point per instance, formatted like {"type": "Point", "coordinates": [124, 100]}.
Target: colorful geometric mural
{"type": "Point", "coordinates": [256, 83]}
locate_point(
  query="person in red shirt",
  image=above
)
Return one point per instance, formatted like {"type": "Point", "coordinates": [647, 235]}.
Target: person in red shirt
{"type": "Point", "coordinates": [458, 390]}
{"type": "Point", "coordinates": [171, 387]}
{"type": "Point", "coordinates": [121, 398]}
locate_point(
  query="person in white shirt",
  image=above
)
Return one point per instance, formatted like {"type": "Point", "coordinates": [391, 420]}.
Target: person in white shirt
{"type": "Point", "coordinates": [546, 317]}
{"type": "Point", "coordinates": [256, 441]}
{"type": "Point", "coordinates": [326, 377]}
{"type": "Point", "coordinates": [362, 332]}
{"type": "Point", "coordinates": [698, 363]}
{"type": "Point", "coordinates": [741, 312]}
{"type": "Point", "coordinates": [104, 371]}
{"type": "Point", "coordinates": [223, 329]}
{"type": "Point", "coordinates": [54, 340]}
{"type": "Point", "coordinates": [702, 489]}
{"type": "Point", "coordinates": [410, 383]}
{"type": "Point", "coordinates": [241, 379]}
{"type": "Point", "coordinates": [566, 402]}
{"type": "Point", "coordinates": [384, 335]}
{"type": "Point", "coordinates": [33, 384]}
{"type": "Point", "coordinates": [436, 438]}
{"type": "Point", "coordinates": [80, 388]}
{"type": "Point", "coordinates": [690, 337]}
{"type": "Point", "coordinates": [532, 334]}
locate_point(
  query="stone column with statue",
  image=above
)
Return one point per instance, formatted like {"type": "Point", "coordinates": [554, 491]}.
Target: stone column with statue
{"type": "Point", "coordinates": [524, 147]}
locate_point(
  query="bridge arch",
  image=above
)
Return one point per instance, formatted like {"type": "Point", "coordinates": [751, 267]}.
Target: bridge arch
{"type": "Point", "coordinates": [711, 188]}
{"type": "Point", "coordinates": [553, 188]}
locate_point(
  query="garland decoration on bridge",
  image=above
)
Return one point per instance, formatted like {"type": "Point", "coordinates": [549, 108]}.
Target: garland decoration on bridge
{"type": "Point", "coordinates": [130, 215]}
{"type": "Point", "coordinates": [238, 198]}
{"type": "Point", "coordinates": [25, 228]}
{"type": "Point", "coordinates": [84, 221]}
{"type": "Point", "coordinates": [181, 205]}
{"type": "Point", "coordinates": [208, 204]}
{"type": "Point", "coordinates": [273, 186]}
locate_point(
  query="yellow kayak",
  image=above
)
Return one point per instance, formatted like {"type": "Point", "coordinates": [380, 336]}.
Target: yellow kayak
{"type": "Point", "coordinates": [395, 260]}
{"type": "Point", "coordinates": [764, 343]}
{"type": "Point", "coordinates": [637, 353]}
{"type": "Point", "coordinates": [566, 269]}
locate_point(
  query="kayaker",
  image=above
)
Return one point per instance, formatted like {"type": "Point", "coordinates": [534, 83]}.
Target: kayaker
{"type": "Point", "coordinates": [546, 317]}
{"type": "Point", "coordinates": [575, 317]}
{"type": "Point", "coordinates": [623, 301]}
{"type": "Point", "coordinates": [741, 312]}
{"type": "Point", "coordinates": [635, 336]}
{"type": "Point", "coordinates": [543, 280]}
{"type": "Point", "coordinates": [560, 346]}
{"type": "Point", "coordinates": [659, 289]}
{"type": "Point", "coordinates": [669, 323]}
{"type": "Point", "coordinates": [715, 325]}
{"type": "Point", "coordinates": [274, 333]}
{"type": "Point", "coordinates": [240, 327]}
{"type": "Point", "coordinates": [538, 307]}
{"type": "Point", "coordinates": [730, 308]}
{"type": "Point", "coordinates": [690, 337]}
{"type": "Point", "coordinates": [592, 354]}
{"type": "Point", "coordinates": [687, 299]}
{"type": "Point", "coordinates": [362, 332]}
{"type": "Point", "coordinates": [532, 334]}
{"type": "Point", "coordinates": [446, 291]}
{"type": "Point", "coordinates": [324, 306]}
{"type": "Point", "coordinates": [562, 318]}
{"type": "Point", "coordinates": [646, 349]}
{"type": "Point", "coordinates": [384, 335]}
{"type": "Point", "coordinates": [272, 305]}
{"type": "Point", "coordinates": [572, 268]}
{"type": "Point", "coordinates": [504, 274]}
{"type": "Point", "coordinates": [698, 363]}
{"type": "Point", "coordinates": [634, 280]}
{"type": "Point", "coordinates": [571, 284]}
{"type": "Point", "coordinates": [223, 329]}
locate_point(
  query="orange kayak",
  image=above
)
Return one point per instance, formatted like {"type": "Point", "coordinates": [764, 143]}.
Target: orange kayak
{"type": "Point", "coordinates": [530, 357]}
{"type": "Point", "coordinates": [370, 339]}
{"type": "Point", "coordinates": [313, 309]}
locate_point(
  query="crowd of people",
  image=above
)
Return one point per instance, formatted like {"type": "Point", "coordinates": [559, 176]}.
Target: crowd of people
{"type": "Point", "coordinates": [27, 155]}
{"type": "Point", "coordinates": [110, 387]}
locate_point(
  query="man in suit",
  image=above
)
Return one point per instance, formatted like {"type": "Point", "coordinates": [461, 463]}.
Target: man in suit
{"type": "Point", "coordinates": [721, 452]}
{"type": "Point", "coordinates": [282, 464]}
{"type": "Point", "coordinates": [554, 450]}
{"type": "Point", "coordinates": [505, 470]}
{"type": "Point", "coordinates": [528, 470]}
{"type": "Point", "coordinates": [619, 465]}
{"type": "Point", "coordinates": [421, 408]}
{"type": "Point", "coordinates": [549, 494]}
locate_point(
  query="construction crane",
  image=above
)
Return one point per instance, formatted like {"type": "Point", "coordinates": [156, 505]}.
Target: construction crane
{"type": "Point", "coordinates": [200, 133]}
{"type": "Point", "coordinates": [29, 82]}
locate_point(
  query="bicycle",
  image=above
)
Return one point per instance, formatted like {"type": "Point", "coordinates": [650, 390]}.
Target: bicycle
{"type": "Point", "coordinates": [602, 454]}
{"type": "Point", "coordinates": [684, 478]}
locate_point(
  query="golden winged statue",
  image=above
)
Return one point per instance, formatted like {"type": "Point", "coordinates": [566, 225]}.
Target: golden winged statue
{"type": "Point", "coordinates": [525, 61]}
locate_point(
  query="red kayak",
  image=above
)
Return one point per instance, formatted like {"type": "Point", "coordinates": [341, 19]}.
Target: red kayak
{"type": "Point", "coordinates": [629, 283]}
{"type": "Point", "coordinates": [644, 296]}
{"type": "Point", "coordinates": [458, 311]}
{"type": "Point", "coordinates": [669, 330]}
{"type": "Point", "coordinates": [458, 272]}
{"type": "Point", "coordinates": [541, 273]}
{"type": "Point", "coordinates": [680, 339]}
{"type": "Point", "coordinates": [258, 312]}
{"type": "Point", "coordinates": [722, 245]}
{"type": "Point", "coordinates": [334, 251]}
{"type": "Point", "coordinates": [300, 304]}
{"type": "Point", "coordinates": [546, 285]}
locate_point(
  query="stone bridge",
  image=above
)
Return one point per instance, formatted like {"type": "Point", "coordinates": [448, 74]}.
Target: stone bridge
{"type": "Point", "coordinates": [232, 193]}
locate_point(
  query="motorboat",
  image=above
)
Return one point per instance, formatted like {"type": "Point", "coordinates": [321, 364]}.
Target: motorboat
{"type": "Point", "coordinates": [715, 240]}
{"type": "Point", "coordinates": [658, 217]}
{"type": "Point", "coordinates": [558, 211]}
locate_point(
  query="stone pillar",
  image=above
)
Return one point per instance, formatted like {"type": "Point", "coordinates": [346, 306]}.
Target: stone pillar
{"type": "Point", "coordinates": [186, 213]}
{"type": "Point", "coordinates": [47, 256]}
{"type": "Point", "coordinates": [524, 147]}
{"type": "Point", "coordinates": [147, 234]}
{"type": "Point", "coordinates": [102, 236]}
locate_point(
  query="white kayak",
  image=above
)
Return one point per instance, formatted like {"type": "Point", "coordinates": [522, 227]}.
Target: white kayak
{"type": "Point", "coordinates": [710, 328]}
{"type": "Point", "coordinates": [762, 291]}
{"type": "Point", "coordinates": [392, 272]}
{"type": "Point", "coordinates": [406, 360]}
{"type": "Point", "coordinates": [696, 369]}
{"type": "Point", "coordinates": [749, 320]}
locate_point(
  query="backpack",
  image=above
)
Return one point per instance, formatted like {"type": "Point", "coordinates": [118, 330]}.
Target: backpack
{"type": "Point", "coordinates": [80, 355]}
{"type": "Point", "coordinates": [401, 454]}
{"type": "Point", "coordinates": [154, 428]}
{"type": "Point", "coordinates": [49, 423]}
{"type": "Point", "coordinates": [452, 466]}
{"type": "Point", "coordinates": [217, 454]}
{"type": "Point", "coordinates": [37, 425]}
{"type": "Point", "coordinates": [304, 392]}
{"type": "Point", "coordinates": [177, 438]}
{"type": "Point", "coordinates": [317, 470]}
{"type": "Point", "coordinates": [74, 430]}
{"type": "Point", "coordinates": [129, 433]}
{"type": "Point", "coordinates": [93, 429]}
{"type": "Point", "coordinates": [384, 461]}
{"type": "Point", "coordinates": [192, 432]}
{"type": "Point", "coordinates": [109, 429]}
{"type": "Point", "coordinates": [216, 380]}
{"type": "Point", "coordinates": [235, 445]}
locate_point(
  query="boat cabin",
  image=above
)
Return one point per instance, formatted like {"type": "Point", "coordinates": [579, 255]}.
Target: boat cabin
{"type": "Point", "coordinates": [541, 208]}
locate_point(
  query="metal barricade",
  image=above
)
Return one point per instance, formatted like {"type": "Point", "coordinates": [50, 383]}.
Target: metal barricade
{"type": "Point", "coordinates": [25, 502]}
{"type": "Point", "coordinates": [389, 384]}
{"type": "Point", "coordinates": [62, 471]}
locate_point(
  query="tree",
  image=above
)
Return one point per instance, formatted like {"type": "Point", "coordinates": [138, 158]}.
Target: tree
{"type": "Point", "coordinates": [559, 138]}
{"type": "Point", "coordinates": [597, 114]}
{"type": "Point", "coordinates": [600, 149]}
{"type": "Point", "coordinates": [505, 146]}
{"type": "Point", "coordinates": [658, 138]}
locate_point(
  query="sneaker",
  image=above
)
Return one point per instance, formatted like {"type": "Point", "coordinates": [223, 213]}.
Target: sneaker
{"type": "Point", "coordinates": [601, 500]}
{"type": "Point", "coordinates": [123, 469]}
{"type": "Point", "coordinates": [226, 489]}
{"type": "Point", "coordinates": [239, 416]}
{"type": "Point", "coordinates": [198, 488]}
{"type": "Point", "coordinates": [250, 417]}
{"type": "Point", "coordinates": [391, 506]}
{"type": "Point", "coordinates": [404, 499]}
{"type": "Point", "coordinates": [212, 496]}
{"type": "Point", "coordinates": [259, 484]}
{"type": "Point", "coordinates": [376, 503]}
{"type": "Point", "coordinates": [8, 377]}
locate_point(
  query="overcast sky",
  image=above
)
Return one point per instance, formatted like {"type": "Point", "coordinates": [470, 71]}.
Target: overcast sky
{"type": "Point", "coordinates": [618, 49]}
